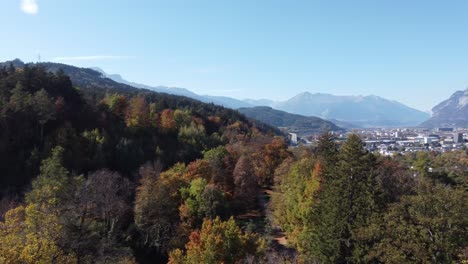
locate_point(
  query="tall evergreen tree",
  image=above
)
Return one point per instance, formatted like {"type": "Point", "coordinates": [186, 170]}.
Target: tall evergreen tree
{"type": "Point", "coordinates": [346, 203]}
{"type": "Point", "coordinates": [327, 150]}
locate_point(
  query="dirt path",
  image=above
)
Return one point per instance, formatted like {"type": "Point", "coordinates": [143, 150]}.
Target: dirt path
{"type": "Point", "coordinates": [279, 237]}
{"type": "Point", "coordinates": [259, 216]}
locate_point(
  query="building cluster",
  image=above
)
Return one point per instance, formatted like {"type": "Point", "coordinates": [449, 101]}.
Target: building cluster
{"type": "Point", "coordinates": [391, 141]}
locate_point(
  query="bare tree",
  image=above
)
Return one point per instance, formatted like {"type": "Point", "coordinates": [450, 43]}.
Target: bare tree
{"type": "Point", "coordinates": [245, 183]}
{"type": "Point", "coordinates": [109, 196]}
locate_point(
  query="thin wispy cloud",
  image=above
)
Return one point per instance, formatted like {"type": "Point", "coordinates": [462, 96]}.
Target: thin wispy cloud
{"type": "Point", "coordinates": [29, 6]}
{"type": "Point", "coordinates": [92, 58]}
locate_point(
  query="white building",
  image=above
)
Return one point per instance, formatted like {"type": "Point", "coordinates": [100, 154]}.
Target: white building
{"type": "Point", "coordinates": [293, 138]}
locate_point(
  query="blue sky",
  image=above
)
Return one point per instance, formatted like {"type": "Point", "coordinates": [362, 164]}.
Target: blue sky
{"type": "Point", "coordinates": [415, 52]}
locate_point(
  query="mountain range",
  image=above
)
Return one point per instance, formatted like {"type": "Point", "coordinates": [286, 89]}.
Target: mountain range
{"type": "Point", "coordinates": [354, 111]}
{"type": "Point", "coordinates": [346, 111]}
{"type": "Point", "coordinates": [357, 111]}
{"type": "Point", "coordinates": [452, 112]}
{"type": "Point", "coordinates": [364, 111]}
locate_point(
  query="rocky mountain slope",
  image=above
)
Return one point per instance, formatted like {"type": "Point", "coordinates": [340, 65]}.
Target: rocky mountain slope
{"type": "Point", "coordinates": [452, 112]}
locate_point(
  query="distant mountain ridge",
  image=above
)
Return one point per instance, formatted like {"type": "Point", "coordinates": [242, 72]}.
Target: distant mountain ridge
{"type": "Point", "coordinates": [86, 76]}
{"type": "Point", "coordinates": [293, 122]}
{"type": "Point", "coordinates": [452, 112]}
{"type": "Point", "coordinates": [219, 100]}
{"type": "Point", "coordinates": [82, 77]}
{"type": "Point", "coordinates": [95, 84]}
{"type": "Point", "coordinates": [353, 111]}
{"type": "Point", "coordinates": [361, 111]}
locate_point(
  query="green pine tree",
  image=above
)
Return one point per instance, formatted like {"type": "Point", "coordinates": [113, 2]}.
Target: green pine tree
{"type": "Point", "coordinates": [346, 203]}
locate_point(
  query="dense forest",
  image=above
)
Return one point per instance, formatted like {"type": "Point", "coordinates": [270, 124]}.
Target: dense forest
{"type": "Point", "coordinates": [303, 125]}
{"type": "Point", "coordinates": [104, 175]}
{"type": "Point", "coordinates": [342, 204]}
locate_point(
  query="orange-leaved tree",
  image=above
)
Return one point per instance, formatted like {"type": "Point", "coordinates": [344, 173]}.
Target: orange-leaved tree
{"type": "Point", "coordinates": [218, 242]}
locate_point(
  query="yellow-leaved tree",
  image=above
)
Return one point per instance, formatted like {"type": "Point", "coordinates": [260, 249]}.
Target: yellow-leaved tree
{"type": "Point", "coordinates": [32, 233]}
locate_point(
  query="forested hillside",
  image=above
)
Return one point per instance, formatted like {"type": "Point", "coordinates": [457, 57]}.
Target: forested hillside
{"type": "Point", "coordinates": [112, 126]}
{"type": "Point", "coordinates": [292, 122]}
{"type": "Point", "coordinates": [102, 174]}
{"type": "Point", "coordinates": [109, 175]}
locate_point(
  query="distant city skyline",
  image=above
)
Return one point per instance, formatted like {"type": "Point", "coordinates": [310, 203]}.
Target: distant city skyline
{"type": "Point", "coordinates": [413, 52]}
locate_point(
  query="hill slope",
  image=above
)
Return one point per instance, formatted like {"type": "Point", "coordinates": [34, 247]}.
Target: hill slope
{"type": "Point", "coordinates": [219, 100]}
{"type": "Point", "coordinates": [294, 122]}
{"type": "Point", "coordinates": [451, 112]}
{"type": "Point", "coordinates": [97, 78]}
{"type": "Point", "coordinates": [40, 109]}
{"type": "Point", "coordinates": [84, 157]}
